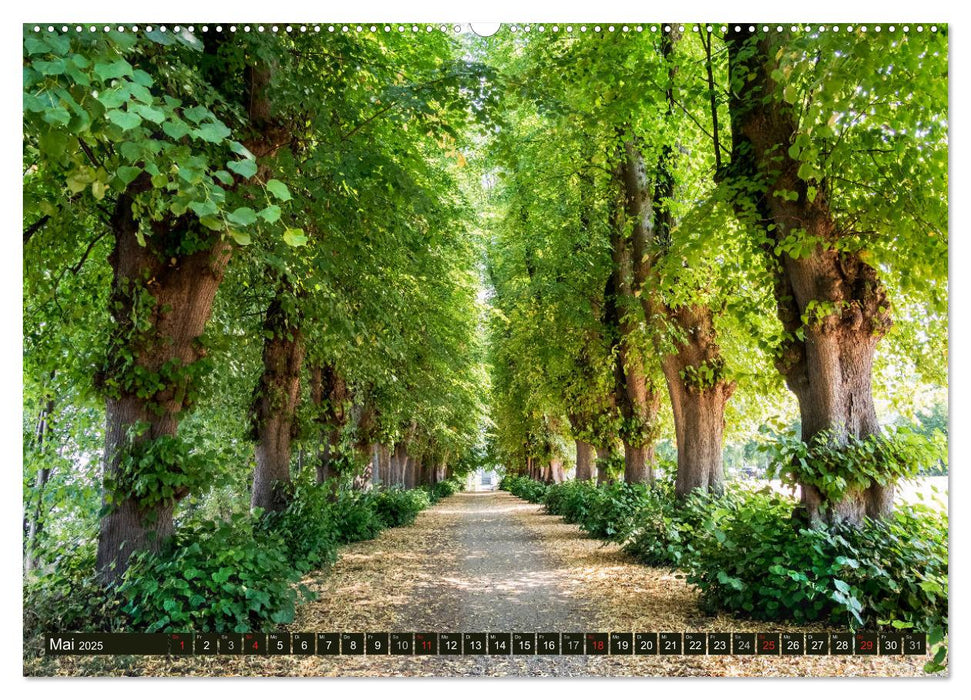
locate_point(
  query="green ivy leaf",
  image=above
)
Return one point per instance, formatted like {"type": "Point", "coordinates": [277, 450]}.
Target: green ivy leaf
{"type": "Point", "coordinates": [213, 132]}
{"type": "Point", "coordinates": [110, 71]}
{"type": "Point", "coordinates": [244, 216]}
{"type": "Point", "coordinates": [278, 190]}
{"type": "Point", "coordinates": [245, 168]}
{"type": "Point", "coordinates": [271, 214]}
{"type": "Point", "coordinates": [126, 120]}
{"type": "Point", "coordinates": [295, 237]}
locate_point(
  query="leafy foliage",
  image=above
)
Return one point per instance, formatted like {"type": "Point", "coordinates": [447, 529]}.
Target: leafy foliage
{"type": "Point", "coordinates": [214, 576]}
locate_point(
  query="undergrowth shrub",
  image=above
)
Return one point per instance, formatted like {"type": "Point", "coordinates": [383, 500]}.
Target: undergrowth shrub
{"type": "Point", "coordinates": [396, 507]}
{"type": "Point", "coordinates": [237, 575]}
{"type": "Point", "coordinates": [571, 500]}
{"type": "Point", "coordinates": [526, 488]}
{"type": "Point", "coordinates": [446, 488]}
{"type": "Point", "coordinates": [761, 563]}
{"type": "Point", "coordinates": [610, 513]}
{"type": "Point", "coordinates": [306, 527]}
{"type": "Point", "coordinates": [67, 596]}
{"type": "Point", "coordinates": [665, 532]}
{"type": "Point", "coordinates": [214, 576]}
{"type": "Point", "coordinates": [355, 516]}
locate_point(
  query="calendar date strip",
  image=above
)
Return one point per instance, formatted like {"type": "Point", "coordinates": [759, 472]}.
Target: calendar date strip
{"type": "Point", "coordinates": [491, 643]}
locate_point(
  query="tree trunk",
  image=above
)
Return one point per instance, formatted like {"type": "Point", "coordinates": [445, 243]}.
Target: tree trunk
{"type": "Point", "coordinates": [330, 395]}
{"type": "Point", "coordinates": [699, 393]}
{"type": "Point", "coordinates": [274, 407]}
{"type": "Point", "coordinates": [411, 474]}
{"type": "Point", "coordinates": [603, 456]}
{"type": "Point", "coordinates": [693, 370]}
{"type": "Point", "coordinates": [35, 523]}
{"type": "Point", "coordinates": [638, 461]}
{"type": "Point", "coordinates": [637, 396]}
{"type": "Point", "coordinates": [174, 293]}
{"type": "Point", "coordinates": [556, 471]}
{"type": "Point", "coordinates": [365, 480]}
{"type": "Point", "coordinates": [584, 461]}
{"type": "Point", "coordinates": [384, 465]}
{"type": "Point", "coordinates": [399, 464]}
{"type": "Point", "coordinates": [832, 298]}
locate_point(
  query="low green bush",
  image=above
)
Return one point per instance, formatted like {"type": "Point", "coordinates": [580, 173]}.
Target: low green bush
{"type": "Point", "coordinates": [355, 516]}
{"type": "Point", "coordinates": [67, 596]}
{"type": "Point", "coordinates": [214, 576]}
{"type": "Point", "coordinates": [446, 488]}
{"type": "Point", "coordinates": [307, 526]}
{"type": "Point", "coordinates": [526, 488]}
{"type": "Point", "coordinates": [665, 532]}
{"type": "Point", "coordinates": [396, 507]}
{"type": "Point", "coordinates": [759, 562]}
{"type": "Point", "coordinates": [610, 514]}
{"type": "Point", "coordinates": [571, 500]}
{"type": "Point", "coordinates": [747, 554]}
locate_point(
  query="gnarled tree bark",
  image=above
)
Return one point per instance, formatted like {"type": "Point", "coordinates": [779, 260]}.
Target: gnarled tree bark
{"type": "Point", "coordinates": [274, 407]}
{"type": "Point", "coordinates": [830, 370]}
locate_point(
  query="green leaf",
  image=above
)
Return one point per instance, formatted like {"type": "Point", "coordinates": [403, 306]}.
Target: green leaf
{"type": "Point", "coordinates": [196, 114]}
{"type": "Point", "coordinates": [244, 216]}
{"type": "Point", "coordinates": [153, 115]}
{"type": "Point", "coordinates": [127, 173]}
{"type": "Point", "coordinates": [175, 128]}
{"type": "Point", "coordinates": [245, 168]}
{"type": "Point", "coordinates": [295, 237]}
{"type": "Point", "coordinates": [240, 237]}
{"type": "Point", "coordinates": [241, 150]}
{"type": "Point", "coordinates": [57, 116]}
{"type": "Point", "coordinates": [278, 190]}
{"type": "Point", "coordinates": [213, 132]}
{"type": "Point", "coordinates": [126, 120]}
{"type": "Point", "coordinates": [271, 214]}
{"type": "Point", "coordinates": [110, 71]}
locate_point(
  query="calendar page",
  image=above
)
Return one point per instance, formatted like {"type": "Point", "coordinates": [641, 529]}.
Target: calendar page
{"type": "Point", "coordinates": [450, 349]}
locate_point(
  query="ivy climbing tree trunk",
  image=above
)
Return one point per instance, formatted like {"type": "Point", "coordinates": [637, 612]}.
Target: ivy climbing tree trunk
{"type": "Point", "coordinates": [684, 336]}
{"type": "Point", "coordinates": [275, 404]}
{"type": "Point", "coordinates": [161, 300]}
{"type": "Point", "coordinates": [832, 304]}
{"type": "Point", "coordinates": [637, 397]}
{"type": "Point", "coordinates": [698, 403]}
{"type": "Point", "coordinates": [330, 396]}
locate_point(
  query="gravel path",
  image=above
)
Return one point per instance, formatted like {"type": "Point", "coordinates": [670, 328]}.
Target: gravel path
{"type": "Point", "coordinates": [481, 562]}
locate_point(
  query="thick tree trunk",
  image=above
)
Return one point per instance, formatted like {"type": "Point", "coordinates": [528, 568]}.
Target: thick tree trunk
{"type": "Point", "coordinates": [584, 461]}
{"type": "Point", "coordinates": [177, 292]}
{"type": "Point", "coordinates": [411, 471]}
{"type": "Point", "coordinates": [638, 464]}
{"type": "Point", "coordinates": [399, 461]}
{"type": "Point", "coordinates": [274, 407]}
{"type": "Point", "coordinates": [699, 393]}
{"type": "Point", "coordinates": [700, 424]}
{"type": "Point", "coordinates": [603, 455]}
{"type": "Point", "coordinates": [637, 397]}
{"type": "Point", "coordinates": [833, 298]}
{"type": "Point", "coordinates": [330, 396]}
{"type": "Point", "coordinates": [556, 471]}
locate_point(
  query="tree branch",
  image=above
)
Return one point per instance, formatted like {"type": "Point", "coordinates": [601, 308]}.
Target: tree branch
{"type": "Point", "coordinates": [35, 227]}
